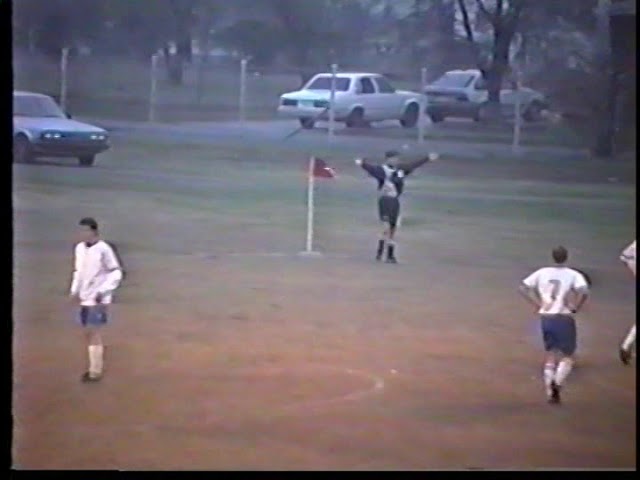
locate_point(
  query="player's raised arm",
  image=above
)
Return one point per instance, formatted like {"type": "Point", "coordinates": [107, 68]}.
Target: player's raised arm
{"type": "Point", "coordinates": [409, 167]}
{"type": "Point", "coordinates": [374, 170]}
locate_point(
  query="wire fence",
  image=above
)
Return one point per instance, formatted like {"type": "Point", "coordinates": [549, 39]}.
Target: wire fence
{"type": "Point", "coordinates": [125, 89]}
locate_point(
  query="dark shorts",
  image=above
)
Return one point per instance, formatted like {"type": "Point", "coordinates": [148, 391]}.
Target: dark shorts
{"type": "Point", "coordinates": [389, 210]}
{"type": "Point", "coordinates": [559, 333]}
{"type": "Point", "coordinates": [93, 316]}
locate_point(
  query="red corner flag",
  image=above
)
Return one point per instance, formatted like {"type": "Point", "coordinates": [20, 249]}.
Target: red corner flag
{"type": "Point", "coordinates": [318, 168]}
{"type": "Point", "coordinates": [321, 169]}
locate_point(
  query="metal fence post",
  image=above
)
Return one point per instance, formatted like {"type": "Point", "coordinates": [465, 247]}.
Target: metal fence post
{"type": "Point", "coordinates": [242, 99]}
{"type": "Point", "coordinates": [517, 121]}
{"type": "Point", "coordinates": [64, 62]}
{"type": "Point", "coordinates": [332, 100]}
{"type": "Point", "coordinates": [153, 87]}
{"type": "Point", "coordinates": [422, 116]}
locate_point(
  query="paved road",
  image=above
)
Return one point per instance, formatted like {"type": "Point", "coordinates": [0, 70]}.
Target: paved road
{"type": "Point", "coordinates": [274, 132]}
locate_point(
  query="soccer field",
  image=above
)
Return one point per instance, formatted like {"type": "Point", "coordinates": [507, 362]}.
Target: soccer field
{"type": "Point", "coordinates": [226, 350]}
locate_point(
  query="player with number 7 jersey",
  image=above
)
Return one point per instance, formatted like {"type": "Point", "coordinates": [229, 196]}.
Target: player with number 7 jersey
{"type": "Point", "coordinates": [558, 292]}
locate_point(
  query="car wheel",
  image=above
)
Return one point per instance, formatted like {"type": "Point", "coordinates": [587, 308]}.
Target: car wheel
{"type": "Point", "coordinates": [533, 113]}
{"type": "Point", "coordinates": [410, 117]}
{"type": "Point", "coordinates": [307, 123]}
{"type": "Point", "coordinates": [22, 152]}
{"type": "Point", "coordinates": [436, 117]}
{"type": "Point", "coordinates": [483, 113]}
{"type": "Point", "coordinates": [356, 118]}
{"type": "Point", "coordinates": [87, 160]}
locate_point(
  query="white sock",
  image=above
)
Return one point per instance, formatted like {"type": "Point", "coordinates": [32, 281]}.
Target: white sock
{"type": "Point", "coordinates": [630, 339]}
{"type": "Point", "coordinates": [95, 359]}
{"type": "Point", "coordinates": [549, 373]}
{"type": "Point", "coordinates": [564, 369]}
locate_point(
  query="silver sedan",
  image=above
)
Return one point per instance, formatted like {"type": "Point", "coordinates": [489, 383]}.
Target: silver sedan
{"type": "Point", "coordinates": [42, 129]}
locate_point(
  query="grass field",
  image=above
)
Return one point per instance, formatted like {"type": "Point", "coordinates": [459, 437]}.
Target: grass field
{"type": "Point", "coordinates": [228, 351]}
{"type": "Point", "coordinates": [114, 88]}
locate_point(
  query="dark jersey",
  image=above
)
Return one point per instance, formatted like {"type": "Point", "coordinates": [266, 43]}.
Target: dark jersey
{"type": "Point", "coordinates": [390, 179]}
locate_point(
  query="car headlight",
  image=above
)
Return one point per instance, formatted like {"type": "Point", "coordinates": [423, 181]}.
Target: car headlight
{"type": "Point", "coordinates": [98, 136]}
{"type": "Point", "coordinates": [51, 135]}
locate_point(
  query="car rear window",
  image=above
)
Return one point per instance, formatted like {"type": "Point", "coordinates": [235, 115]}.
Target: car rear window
{"type": "Point", "coordinates": [324, 83]}
{"type": "Point", "coordinates": [454, 80]}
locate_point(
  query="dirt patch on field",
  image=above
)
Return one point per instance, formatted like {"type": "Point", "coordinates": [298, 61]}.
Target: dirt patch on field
{"type": "Point", "coordinates": [315, 366]}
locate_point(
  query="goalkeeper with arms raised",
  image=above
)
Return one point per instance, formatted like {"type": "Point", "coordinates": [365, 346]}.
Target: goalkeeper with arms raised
{"type": "Point", "coordinates": [390, 177]}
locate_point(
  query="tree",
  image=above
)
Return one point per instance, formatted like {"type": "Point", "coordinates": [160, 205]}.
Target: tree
{"type": "Point", "coordinates": [314, 31]}
{"type": "Point", "coordinates": [429, 29]}
{"type": "Point", "coordinates": [116, 26]}
{"type": "Point", "coordinates": [52, 25]}
{"type": "Point", "coordinates": [298, 18]}
{"type": "Point", "coordinates": [168, 25]}
{"type": "Point", "coordinates": [252, 38]}
{"type": "Point", "coordinates": [503, 20]}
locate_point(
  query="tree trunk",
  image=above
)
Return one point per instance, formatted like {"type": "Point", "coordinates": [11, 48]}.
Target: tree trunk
{"type": "Point", "coordinates": [184, 50]}
{"type": "Point", "coordinates": [499, 64]}
{"type": "Point", "coordinates": [300, 56]}
{"type": "Point", "coordinates": [605, 142]}
{"type": "Point", "coordinates": [494, 73]}
{"type": "Point", "coordinates": [174, 67]}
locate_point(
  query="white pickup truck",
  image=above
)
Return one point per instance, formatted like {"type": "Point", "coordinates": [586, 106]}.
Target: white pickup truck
{"type": "Point", "coordinates": [360, 98]}
{"type": "Point", "coordinates": [463, 94]}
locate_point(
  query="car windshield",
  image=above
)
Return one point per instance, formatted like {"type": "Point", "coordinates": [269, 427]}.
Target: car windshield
{"type": "Point", "coordinates": [453, 80]}
{"type": "Point", "coordinates": [36, 106]}
{"type": "Point", "coordinates": [324, 83]}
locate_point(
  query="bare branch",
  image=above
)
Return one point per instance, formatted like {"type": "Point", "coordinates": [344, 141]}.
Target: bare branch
{"type": "Point", "coordinates": [499, 8]}
{"type": "Point", "coordinates": [515, 12]}
{"type": "Point", "coordinates": [484, 11]}
{"type": "Point", "coordinates": [465, 21]}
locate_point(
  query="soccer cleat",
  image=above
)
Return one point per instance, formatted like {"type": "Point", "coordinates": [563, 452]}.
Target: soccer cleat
{"type": "Point", "coordinates": [554, 398]}
{"type": "Point", "coordinates": [380, 250]}
{"type": "Point", "coordinates": [391, 258]}
{"type": "Point", "coordinates": [625, 356]}
{"type": "Point", "coordinates": [88, 378]}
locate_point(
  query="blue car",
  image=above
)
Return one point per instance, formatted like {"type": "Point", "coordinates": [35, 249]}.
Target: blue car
{"type": "Point", "coordinates": [42, 129]}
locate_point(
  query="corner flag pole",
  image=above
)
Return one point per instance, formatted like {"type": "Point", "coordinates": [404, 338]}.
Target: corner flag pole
{"type": "Point", "coordinates": [310, 206]}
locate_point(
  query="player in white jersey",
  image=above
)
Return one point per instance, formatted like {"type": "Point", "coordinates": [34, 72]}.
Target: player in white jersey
{"type": "Point", "coordinates": [558, 292]}
{"type": "Point", "coordinates": [97, 273]}
{"type": "Point", "coordinates": [628, 256]}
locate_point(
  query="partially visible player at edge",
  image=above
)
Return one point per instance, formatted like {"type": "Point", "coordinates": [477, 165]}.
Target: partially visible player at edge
{"type": "Point", "coordinates": [628, 256]}
{"type": "Point", "coordinates": [559, 293]}
{"type": "Point", "coordinates": [97, 273]}
{"type": "Point", "coordinates": [390, 176]}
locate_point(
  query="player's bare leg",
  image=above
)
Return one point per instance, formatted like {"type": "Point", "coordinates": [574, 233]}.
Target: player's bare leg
{"type": "Point", "coordinates": [626, 348]}
{"type": "Point", "coordinates": [382, 242]}
{"type": "Point", "coordinates": [391, 246]}
{"type": "Point", "coordinates": [549, 373]}
{"type": "Point", "coordinates": [95, 347]}
{"type": "Point", "coordinates": [565, 365]}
